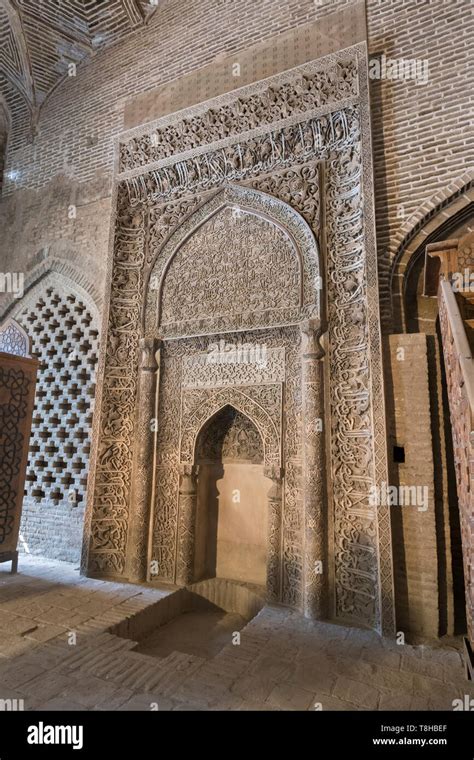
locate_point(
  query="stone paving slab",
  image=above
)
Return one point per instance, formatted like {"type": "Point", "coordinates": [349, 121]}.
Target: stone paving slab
{"type": "Point", "coordinates": [284, 662]}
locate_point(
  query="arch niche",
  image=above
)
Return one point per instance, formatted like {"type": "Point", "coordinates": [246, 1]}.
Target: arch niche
{"type": "Point", "coordinates": [230, 438]}
{"type": "Point", "coordinates": [413, 313]}
{"type": "Point", "coordinates": [231, 523]}
{"type": "Point", "coordinates": [241, 271]}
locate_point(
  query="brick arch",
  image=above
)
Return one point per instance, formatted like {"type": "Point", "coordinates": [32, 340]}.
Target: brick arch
{"type": "Point", "coordinates": [62, 318]}
{"type": "Point", "coordinates": [443, 209]}
{"type": "Point", "coordinates": [72, 276]}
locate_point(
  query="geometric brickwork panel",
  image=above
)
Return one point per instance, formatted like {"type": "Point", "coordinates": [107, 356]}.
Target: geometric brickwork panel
{"type": "Point", "coordinates": [64, 334]}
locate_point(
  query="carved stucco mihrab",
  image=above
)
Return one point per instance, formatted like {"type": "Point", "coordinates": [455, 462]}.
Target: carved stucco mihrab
{"type": "Point", "coordinates": [172, 187]}
{"type": "Point", "coordinates": [269, 389]}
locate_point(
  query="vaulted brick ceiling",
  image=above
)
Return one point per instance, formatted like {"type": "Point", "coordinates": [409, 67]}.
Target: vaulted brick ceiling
{"type": "Point", "coordinates": [40, 38]}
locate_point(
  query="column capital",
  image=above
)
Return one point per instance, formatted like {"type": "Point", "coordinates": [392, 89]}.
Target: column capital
{"type": "Point", "coordinates": [311, 332]}
{"type": "Point", "coordinates": [148, 350]}
{"type": "Point", "coordinates": [188, 470]}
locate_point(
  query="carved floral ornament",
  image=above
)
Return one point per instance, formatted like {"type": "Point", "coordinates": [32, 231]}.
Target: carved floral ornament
{"type": "Point", "coordinates": [240, 274]}
{"type": "Point", "coordinates": [176, 198]}
{"type": "Point", "coordinates": [291, 96]}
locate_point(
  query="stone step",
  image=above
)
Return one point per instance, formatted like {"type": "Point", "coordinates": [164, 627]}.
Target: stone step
{"type": "Point", "coordinates": [91, 661]}
{"type": "Point", "coordinates": [172, 671]}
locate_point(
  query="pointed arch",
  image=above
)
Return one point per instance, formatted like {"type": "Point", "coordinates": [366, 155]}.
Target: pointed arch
{"type": "Point", "coordinates": [60, 314]}
{"type": "Point", "coordinates": [433, 220]}
{"type": "Point", "coordinates": [205, 407]}
{"type": "Point", "coordinates": [64, 273]}
{"type": "Point", "coordinates": [14, 339]}
{"type": "Point", "coordinates": [214, 434]}
{"type": "Point", "coordinates": [212, 404]}
{"type": "Point", "coordinates": [278, 215]}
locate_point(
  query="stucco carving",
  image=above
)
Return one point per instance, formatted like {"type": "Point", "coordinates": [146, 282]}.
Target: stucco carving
{"type": "Point", "coordinates": [295, 254]}
{"type": "Point", "coordinates": [234, 363]}
{"type": "Point", "coordinates": [261, 403]}
{"type": "Point", "coordinates": [167, 193]}
{"type": "Point", "coordinates": [238, 161]}
{"type": "Point", "coordinates": [209, 287]}
{"type": "Point", "coordinates": [230, 437]}
{"type": "Point", "coordinates": [288, 95]}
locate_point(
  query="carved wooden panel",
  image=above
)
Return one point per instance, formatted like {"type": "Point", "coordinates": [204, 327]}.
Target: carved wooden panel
{"type": "Point", "coordinates": [463, 441]}
{"type": "Point", "coordinates": [17, 392]}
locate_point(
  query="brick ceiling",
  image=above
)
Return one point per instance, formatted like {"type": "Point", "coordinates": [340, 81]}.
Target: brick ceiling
{"type": "Point", "coordinates": [39, 39]}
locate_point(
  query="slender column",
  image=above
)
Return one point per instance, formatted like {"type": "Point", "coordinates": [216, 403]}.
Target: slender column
{"type": "Point", "coordinates": [142, 484]}
{"type": "Point", "coordinates": [186, 523]}
{"type": "Point", "coordinates": [274, 533]}
{"type": "Point", "coordinates": [315, 563]}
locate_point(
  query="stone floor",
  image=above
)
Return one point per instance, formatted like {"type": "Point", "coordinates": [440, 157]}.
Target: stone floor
{"type": "Point", "coordinates": [56, 653]}
{"type": "Point", "coordinates": [202, 634]}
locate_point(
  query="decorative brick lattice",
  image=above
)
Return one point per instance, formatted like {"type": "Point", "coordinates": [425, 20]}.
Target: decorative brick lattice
{"type": "Point", "coordinates": [64, 336]}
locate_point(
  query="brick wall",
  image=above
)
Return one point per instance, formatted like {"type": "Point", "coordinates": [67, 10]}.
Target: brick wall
{"type": "Point", "coordinates": [414, 531]}
{"type": "Point", "coordinates": [81, 119]}
{"type": "Point", "coordinates": [65, 219]}
{"type": "Point", "coordinates": [52, 531]}
{"type": "Point", "coordinates": [422, 134]}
